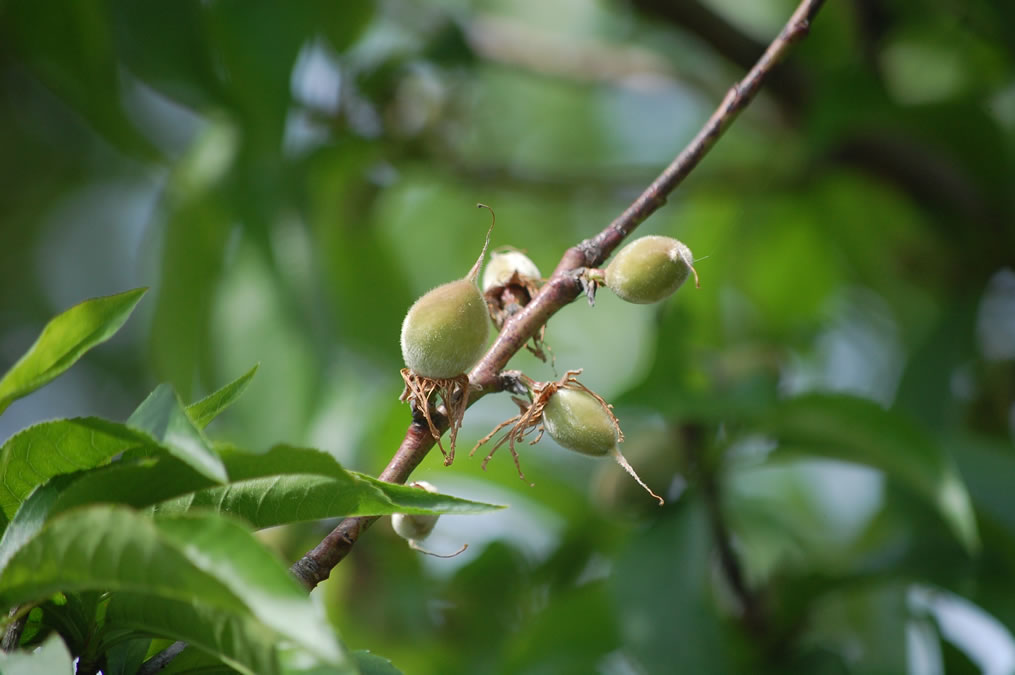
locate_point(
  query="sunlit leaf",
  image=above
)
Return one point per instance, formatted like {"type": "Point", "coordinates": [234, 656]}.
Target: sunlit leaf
{"type": "Point", "coordinates": [29, 519]}
{"type": "Point", "coordinates": [203, 559]}
{"type": "Point", "coordinates": [222, 548]}
{"type": "Point", "coordinates": [162, 416]}
{"type": "Point", "coordinates": [289, 484]}
{"type": "Point", "coordinates": [284, 485]}
{"type": "Point", "coordinates": [36, 454]}
{"type": "Point", "coordinates": [106, 547]}
{"type": "Point", "coordinates": [137, 482]}
{"type": "Point", "coordinates": [236, 639]}
{"type": "Point", "coordinates": [212, 405]}
{"type": "Point", "coordinates": [63, 341]}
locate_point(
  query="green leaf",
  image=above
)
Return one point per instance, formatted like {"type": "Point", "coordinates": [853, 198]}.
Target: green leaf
{"type": "Point", "coordinates": [203, 559]}
{"type": "Point", "coordinates": [283, 485]}
{"type": "Point", "coordinates": [124, 658]}
{"type": "Point", "coordinates": [29, 519]}
{"type": "Point", "coordinates": [224, 549]}
{"type": "Point", "coordinates": [858, 430]}
{"type": "Point", "coordinates": [52, 658]}
{"type": "Point", "coordinates": [64, 340]}
{"type": "Point", "coordinates": [211, 406]}
{"type": "Point", "coordinates": [215, 636]}
{"type": "Point", "coordinates": [36, 454]}
{"type": "Point", "coordinates": [163, 417]}
{"type": "Point", "coordinates": [290, 484]}
{"type": "Point", "coordinates": [372, 664]}
{"type": "Point", "coordinates": [107, 548]}
{"type": "Point", "coordinates": [135, 482]}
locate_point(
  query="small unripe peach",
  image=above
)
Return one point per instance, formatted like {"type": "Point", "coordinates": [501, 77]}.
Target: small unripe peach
{"type": "Point", "coordinates": [649, 269]}
{"type": "Point", "coordinates": [578, 421]}
{"type": "Point", "coordinates": [446, 330]}
{"type": "Point", "coordinates": [504, 265]}
{"type": "Point", "coordinates": [415, 527]}
{"type": "Point", "coordinates": [581, 421]}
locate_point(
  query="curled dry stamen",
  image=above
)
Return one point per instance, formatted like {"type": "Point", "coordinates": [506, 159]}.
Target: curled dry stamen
{"type": "Point", "coordinates": [454, 394]}
{"type": "Point", "coordinates": [530, 419]}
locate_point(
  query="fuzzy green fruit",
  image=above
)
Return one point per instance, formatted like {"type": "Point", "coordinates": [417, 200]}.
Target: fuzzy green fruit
{"type": "Point", "coordinates": [446, 330]}
{"type": "Point", "coordinates": [649, 269]}
{"type": "Point", "coordinates": [577, 421]}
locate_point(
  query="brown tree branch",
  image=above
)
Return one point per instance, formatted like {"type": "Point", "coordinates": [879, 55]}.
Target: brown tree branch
{"type": "Point", "coordinates": [561, 289]}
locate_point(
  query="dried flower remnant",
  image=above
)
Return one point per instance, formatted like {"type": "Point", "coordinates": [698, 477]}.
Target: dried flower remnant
{"type": "Point", "coordinates": [576, 417]}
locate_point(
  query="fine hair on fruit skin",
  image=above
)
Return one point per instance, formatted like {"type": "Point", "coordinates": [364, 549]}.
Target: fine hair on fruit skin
{"type": "Point", "coordinates": [444, 334]}
{"type": "Point", "coordinates": [650, 269]}
{"type": "Point", "coordinates": [574, 419]}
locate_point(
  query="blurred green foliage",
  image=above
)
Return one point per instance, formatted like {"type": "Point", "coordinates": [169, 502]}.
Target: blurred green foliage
{"type": "Point", "coordinates": [833, 411]}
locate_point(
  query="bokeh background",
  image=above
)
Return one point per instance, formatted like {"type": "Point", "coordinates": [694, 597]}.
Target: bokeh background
{"type": "Point", "coordinates": [288, 177]}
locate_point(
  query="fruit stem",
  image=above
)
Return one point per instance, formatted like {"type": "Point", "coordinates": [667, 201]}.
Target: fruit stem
{"type": "Point", "coordinates": [473, 274]}
{"type": "Point", "coordinates": [622, 461]}
{"type": "Point", "coordinates": [414, 545]}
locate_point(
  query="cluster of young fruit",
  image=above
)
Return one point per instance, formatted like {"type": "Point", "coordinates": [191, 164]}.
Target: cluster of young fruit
{"type": "Point", "coordinates": [445, 334]}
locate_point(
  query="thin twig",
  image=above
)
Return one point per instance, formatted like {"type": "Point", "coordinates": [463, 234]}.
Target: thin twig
{"type": "Point", "coordinates": [562, 288]}
{"type": "Point", "coordinates": [753, 612]}
{"type": "Point", "coordinates": [159, 662]}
